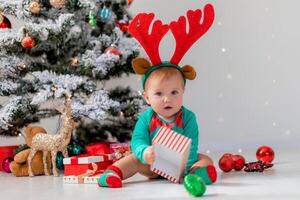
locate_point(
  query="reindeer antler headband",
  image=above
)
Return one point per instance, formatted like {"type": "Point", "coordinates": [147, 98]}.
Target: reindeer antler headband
{"type": "Point", "coordinates": [139, 28]}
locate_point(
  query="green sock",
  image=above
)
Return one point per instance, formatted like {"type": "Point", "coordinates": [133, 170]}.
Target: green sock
{"type": "Point", "coordinates": [207, 173]}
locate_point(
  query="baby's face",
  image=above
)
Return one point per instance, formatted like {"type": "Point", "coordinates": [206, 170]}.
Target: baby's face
{"type": "Point", "coordinates": [165, 96]}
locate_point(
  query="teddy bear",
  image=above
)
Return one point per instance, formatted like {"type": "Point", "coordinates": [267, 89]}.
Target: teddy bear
{"type": "Point", "coordinates": [19, 166]}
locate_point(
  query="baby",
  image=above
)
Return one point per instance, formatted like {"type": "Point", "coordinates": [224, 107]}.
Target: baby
{"type": "Point", "coordinates": [164, 85]}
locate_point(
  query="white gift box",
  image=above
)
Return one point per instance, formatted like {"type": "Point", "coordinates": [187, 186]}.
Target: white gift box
{"type": "Point", "coordinates": [171, 154]}
{"type": "Point", "coordinates": [83, 159]}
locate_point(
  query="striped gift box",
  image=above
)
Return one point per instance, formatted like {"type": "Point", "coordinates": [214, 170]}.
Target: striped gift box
{"type": "Point", "coordinates": [171, 154]}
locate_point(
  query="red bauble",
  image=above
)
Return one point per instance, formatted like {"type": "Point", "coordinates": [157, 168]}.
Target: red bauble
{"type": "Point", "coordinates": [226, 163]}
{"type": "Point", "coordinates": [239, 162]}
{"type": "Point", "coordinates": [28, 42]}
{"type": "Point", "coordinates": [112, 50]}
{"type": "Point", "coordinates": [129, 2]}
{"type": "Point", "coordinates": [5, 164]}
{"type": "Point", "coordinates": [265, 154]}
{"type": "Point", "coordinates": [4, 22]}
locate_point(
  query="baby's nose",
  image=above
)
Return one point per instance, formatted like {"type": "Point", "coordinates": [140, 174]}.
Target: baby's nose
{"type": "Point", "coordinates": [166, 98]}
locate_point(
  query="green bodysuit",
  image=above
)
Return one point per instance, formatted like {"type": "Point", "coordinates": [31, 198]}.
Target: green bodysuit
{"type": "Point", "coordinates": [149, 123]}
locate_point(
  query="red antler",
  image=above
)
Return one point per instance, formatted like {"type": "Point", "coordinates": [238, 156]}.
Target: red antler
{"type": "Point", "coordinates": [196, 29]}
{"type": "Point", "coordinates": [139, 28]}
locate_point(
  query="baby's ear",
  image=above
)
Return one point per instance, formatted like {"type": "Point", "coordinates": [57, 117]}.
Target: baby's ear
{"type": "Point", "coordinates": [189, 72]}
{"type": "Point", "coordinates": [146, 97]}
{"type": "Point", "coordinates": [140, 65]}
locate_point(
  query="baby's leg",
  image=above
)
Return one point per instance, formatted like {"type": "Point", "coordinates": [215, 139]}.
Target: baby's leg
{"type": "Point", "coordinates": [123, 169]}
{"type": "Point", "coordinates": [205, 169]}
{"type": "Point", "coordinates": [130, 165]}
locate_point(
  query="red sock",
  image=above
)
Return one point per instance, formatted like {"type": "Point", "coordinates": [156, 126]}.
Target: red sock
{"type": "Point", "coordinates": [112, 177]}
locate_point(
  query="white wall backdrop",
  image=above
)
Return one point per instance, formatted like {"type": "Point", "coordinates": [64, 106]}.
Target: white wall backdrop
{"type": "Point", "coordinates": [246, 93]}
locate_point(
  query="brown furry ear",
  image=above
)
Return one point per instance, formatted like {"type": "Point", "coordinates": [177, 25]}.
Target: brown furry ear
{"type": "Point", "coordinates": [140, 65]}
{"type": "Point", "coordinates": [189, 72]}
{"type": "Point", "coordinates": [31, 131]}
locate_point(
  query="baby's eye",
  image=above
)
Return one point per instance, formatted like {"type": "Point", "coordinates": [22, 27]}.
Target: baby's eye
{"type": "Point", "coordinates": [174, 92]}
{"type": "Point", "coordinates": [158, 93]}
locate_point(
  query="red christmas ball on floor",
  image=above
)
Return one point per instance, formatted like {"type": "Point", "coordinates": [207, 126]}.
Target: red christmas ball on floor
{"type": "Point", "coordinates": [239, 162]}
{"type": "Point", "coordinates": [5, 164]}
{"type": "Point", "coordinates": [226, 163]}
{"type": "Point", "coordinates": [265, 154]}
{"type": "Point", "coordinates": [4, 22]}
{"type": "Point", "coordinates": [28, 42]}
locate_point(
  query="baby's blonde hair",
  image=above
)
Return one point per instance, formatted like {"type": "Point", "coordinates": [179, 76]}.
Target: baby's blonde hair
{"type": "Point", "coordinates": [162, 74]}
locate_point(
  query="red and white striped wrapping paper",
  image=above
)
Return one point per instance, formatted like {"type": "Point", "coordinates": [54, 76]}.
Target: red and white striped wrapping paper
{"type": "Point", "coordinates": [171, 154]}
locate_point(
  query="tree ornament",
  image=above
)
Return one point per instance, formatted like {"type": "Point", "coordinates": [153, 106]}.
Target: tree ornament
{"type": "Point", "coordinates": [112, 50]}
{"type": "Point", "coordinates": [22, 67]}
{"type": "Point", "coordinates": [104, 13]}
{"type": "Point", "coordinates": [239, 162]}
{"type": "Point", "coordinates": [92, 19]}
{"type": "Point", "coordinates": [54, 88]}
{"type": "Point", "coordinates": [58, 3]}
{"type": "Point", "coordinates": [28, 42]}
{"type": "Point", "coordinates": [74, 61]}
{"type": "Point", "coordinates": [4, 22]}
{"type": "Point", "coordinates": [35, 7]}
{"type": "Point", "coordinates": [129, 2]}
{"type": "Point", "coordinates": [77, 149]}
{"type": "Point", "coordinates": [265, 154]}
{"type": "Point", "coordinates": [194, 185]}
{"type": "Point", "coordinates": [5, 164]}
{"type": "Point", "coordinates": [226, 163]}
{"type": "Point", "coordinates": [123, 25]}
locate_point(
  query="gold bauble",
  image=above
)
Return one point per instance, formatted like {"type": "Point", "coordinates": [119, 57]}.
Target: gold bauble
{"type": "Point", "coordinates": [74, 61]}
{"type": "Point", "coordinates": [54, 88]}
{"type": "Point", "coordinates": [58, 3]}
{"type": "Point", "coordinates": [22, 67]}
{"type": "Point", "coordinates": [35, 7]}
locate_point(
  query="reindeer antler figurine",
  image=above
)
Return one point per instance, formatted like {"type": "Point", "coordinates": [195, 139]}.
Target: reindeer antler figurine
{"type": "Point", "coordinates": [54, 143]}
{"type": "Point", "coordinates": [139, 28]}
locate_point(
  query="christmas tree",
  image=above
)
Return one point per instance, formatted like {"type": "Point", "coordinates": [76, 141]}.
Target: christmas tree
{"type": "Point", "coordinates": [72, 46]}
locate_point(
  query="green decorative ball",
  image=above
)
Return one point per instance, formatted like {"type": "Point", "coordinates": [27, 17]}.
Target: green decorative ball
{"type": "Point", "coordinates": [59, 161]}
{"type": "Point", "coordinates": [194, 185]}
{"type": "Point", "coordinates": [77, 149]}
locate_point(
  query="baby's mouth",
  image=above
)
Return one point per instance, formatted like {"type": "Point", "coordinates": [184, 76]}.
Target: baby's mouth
{"type": "Point", "coordinates": [167, 107]}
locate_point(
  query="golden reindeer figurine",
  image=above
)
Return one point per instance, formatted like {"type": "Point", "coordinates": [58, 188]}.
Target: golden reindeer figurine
{"type": "Point", "coordinates": [54, 143]}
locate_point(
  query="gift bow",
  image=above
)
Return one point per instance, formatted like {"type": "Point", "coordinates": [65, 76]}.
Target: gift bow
{"type": "Point", "coordinates": [90, 172]}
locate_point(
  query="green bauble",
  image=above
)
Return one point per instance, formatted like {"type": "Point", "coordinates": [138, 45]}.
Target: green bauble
{"type": "Point", "coordinates": [77, 149]}
{"type": "Point", "coordinates": [59, 160]}
{"type": "Point", "coordinates": [194, 185]}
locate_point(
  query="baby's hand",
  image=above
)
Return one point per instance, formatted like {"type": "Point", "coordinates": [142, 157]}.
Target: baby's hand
{"type": "Point", "coordinates": [149, 155]}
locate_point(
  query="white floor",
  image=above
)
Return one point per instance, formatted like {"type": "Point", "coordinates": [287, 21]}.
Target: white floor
{"type": "Point", "coordinates": [280, 182]}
